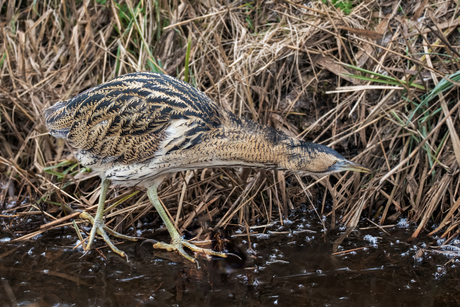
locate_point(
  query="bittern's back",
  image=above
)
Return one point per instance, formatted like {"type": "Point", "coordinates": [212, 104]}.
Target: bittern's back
{"type": "Point", "coordinates": [128, 119]}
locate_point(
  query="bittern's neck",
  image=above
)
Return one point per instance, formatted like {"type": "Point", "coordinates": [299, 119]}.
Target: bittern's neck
{"type": "Point", "coordinates": [223, 148]}
{"type": "Point", "coordinates": [244, 145]}
{"type": "Point", "coordinates": [248, 148]}
{"type": "Point", "coordinates": [257, 146]}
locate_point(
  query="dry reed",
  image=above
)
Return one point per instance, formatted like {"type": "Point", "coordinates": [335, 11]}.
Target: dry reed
{"type": "Point", "coordinates": [379, 84]}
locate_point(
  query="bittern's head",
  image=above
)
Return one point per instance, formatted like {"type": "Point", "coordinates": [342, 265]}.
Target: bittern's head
{"type": "Point", "coordinates": [314, 159]}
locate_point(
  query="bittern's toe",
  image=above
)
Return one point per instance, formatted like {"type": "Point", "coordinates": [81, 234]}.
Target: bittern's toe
{"type": "Point", "coordinates": [101, 230]}
{"type": "Point", "coordinates": [178, 245]}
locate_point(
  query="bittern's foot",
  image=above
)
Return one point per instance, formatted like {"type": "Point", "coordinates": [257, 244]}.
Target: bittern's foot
{"type": "Point", "coordinates": [101, 229]}
{"type": "Point", "coordinates": [178, 245]}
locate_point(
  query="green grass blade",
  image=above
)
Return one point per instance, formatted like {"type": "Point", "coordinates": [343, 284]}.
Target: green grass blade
{"type": "Point", "coordinates": [391, 82]}
{"type": "Point", "coordinates": [187, 59]}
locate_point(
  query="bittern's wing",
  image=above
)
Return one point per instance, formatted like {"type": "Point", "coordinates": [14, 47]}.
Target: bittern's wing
{"type": "Point", "coordinates": [134, 117]}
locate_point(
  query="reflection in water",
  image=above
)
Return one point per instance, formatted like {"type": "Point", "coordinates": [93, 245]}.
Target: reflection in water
{"type": "Point", "coordinates": [290, 265]}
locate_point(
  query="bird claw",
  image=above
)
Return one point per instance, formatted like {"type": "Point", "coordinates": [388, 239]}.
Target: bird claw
{"type": "Point", "coordinates": [102, 230]}
{"type": "Point", "coordinates": [178, 245]}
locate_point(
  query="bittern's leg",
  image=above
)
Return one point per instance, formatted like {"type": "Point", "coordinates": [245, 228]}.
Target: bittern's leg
{"type": "Point", "coordinates": [98, 222]}
{"type": "Point", "coordinates": [177, 242]}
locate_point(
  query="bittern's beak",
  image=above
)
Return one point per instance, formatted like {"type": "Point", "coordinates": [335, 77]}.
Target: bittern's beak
{"type": "Point", "coordinates": [346, 165]}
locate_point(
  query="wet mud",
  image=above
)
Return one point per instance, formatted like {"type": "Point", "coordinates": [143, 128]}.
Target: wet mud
{"type": "Point", "coordinates": [295, 264]}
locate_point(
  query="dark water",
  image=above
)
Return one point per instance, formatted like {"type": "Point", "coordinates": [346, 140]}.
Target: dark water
{"type": "Point", "coordinates": [292, 267]}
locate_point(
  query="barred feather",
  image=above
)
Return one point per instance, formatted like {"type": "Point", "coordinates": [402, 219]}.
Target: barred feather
{"type": "Point", "coordinates": [139, 127]}
{"type": "Point", "coordinates": [127, 118]}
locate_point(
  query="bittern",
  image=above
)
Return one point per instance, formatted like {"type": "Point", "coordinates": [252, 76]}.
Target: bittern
{"type": "Point", "coordinates": [140, 127]}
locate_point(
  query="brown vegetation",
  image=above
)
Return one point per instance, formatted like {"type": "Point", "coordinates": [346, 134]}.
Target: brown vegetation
{"type": "Point", "coordinates": [379, 85]}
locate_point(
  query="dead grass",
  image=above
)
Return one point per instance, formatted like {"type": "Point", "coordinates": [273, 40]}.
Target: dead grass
{"type": "Point", "coordinates": [364, 83]}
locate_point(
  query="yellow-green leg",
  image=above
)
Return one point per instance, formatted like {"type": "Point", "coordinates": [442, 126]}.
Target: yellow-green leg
{"type": "Point", "coordinates": [177, 242]}
{"type": "Point", "coordinates": [98, 223]}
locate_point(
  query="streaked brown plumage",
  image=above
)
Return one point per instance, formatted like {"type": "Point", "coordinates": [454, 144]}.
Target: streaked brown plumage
{"type": "Point", "coordinates": [137, 128]}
